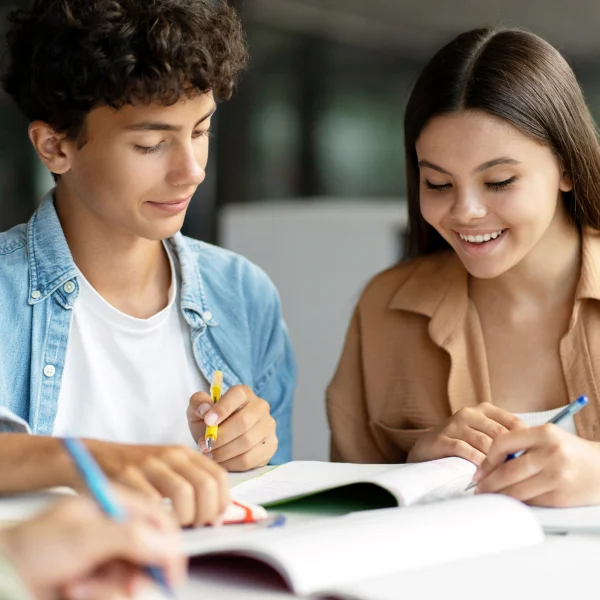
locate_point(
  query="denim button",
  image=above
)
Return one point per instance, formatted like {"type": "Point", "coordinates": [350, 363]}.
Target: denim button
{"type": "Point", "coordinates": [207, 316]}
{"type": "Point", "coordinates": [36, 294]}
{"type": "Point", "coordinates": [49, 371]}
{"type": "Point", "coordinates": [69, 287]}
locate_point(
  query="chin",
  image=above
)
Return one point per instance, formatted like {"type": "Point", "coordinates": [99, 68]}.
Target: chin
{"type": "Point", "coordinates": [485, 269]}
{"type": "Point", "coordinates": [160, 233]}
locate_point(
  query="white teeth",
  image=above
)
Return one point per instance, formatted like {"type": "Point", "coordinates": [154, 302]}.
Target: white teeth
{"type": "Point", "coordinates": [480, 239]}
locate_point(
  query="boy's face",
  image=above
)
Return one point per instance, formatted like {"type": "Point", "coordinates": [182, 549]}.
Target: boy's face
{"type": "Point", "coordinates": [139, 167]}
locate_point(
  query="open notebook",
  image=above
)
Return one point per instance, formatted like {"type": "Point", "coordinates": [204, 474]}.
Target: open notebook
{"type": "Point", "coordinates": [322, 557]}
{"type": "Point", "coordinates": [358, 485]}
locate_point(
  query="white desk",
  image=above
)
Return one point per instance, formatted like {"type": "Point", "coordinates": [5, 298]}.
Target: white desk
{"type": "Point", "coordinates": [564, 567]}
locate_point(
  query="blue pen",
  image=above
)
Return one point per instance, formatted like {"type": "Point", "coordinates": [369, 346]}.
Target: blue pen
{"type": "Point", "coordinates": [567, 411]}
{"type": "Point", "coordinates": [99, 488]}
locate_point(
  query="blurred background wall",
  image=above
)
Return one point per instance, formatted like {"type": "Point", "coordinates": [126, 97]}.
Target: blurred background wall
{"type": "Point", "coordinates": [306, 173]}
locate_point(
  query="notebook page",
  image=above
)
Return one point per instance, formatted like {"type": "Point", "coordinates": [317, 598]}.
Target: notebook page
{"type": "Point", "coordinates": [301, 478]}
{"type": "Point", "coordinates": [381, 542]}
{"type": "Point", "coordinates": [428, 481]}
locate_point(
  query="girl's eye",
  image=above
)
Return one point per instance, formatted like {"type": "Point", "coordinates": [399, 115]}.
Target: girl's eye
{"type": "Point", "coordinates": [147, 149]}
{"type": "Point", "coordinates": [498, 186]}
{"type": "Point", "coordinates": [437, 188]}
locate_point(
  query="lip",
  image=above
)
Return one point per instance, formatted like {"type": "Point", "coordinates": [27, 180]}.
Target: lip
{"type": "Point", "coordinates": [171, 206]}
{"type": "Point", "coordinates": [479, 249]}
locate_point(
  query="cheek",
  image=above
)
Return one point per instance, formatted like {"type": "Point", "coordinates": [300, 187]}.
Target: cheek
{"type": "Point", "coordinates": [432, 209]}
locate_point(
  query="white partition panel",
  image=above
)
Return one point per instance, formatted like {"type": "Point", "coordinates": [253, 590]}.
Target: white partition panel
{"type": "Point", "coordinates": [320, 254]}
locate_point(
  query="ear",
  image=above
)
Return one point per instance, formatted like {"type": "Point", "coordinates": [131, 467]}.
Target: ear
{"type": "Point", "coordinates": [53, 148]}
{"type": "Point", "coordinates": [565, 184]}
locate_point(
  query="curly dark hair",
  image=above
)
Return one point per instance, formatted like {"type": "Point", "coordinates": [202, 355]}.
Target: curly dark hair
{"type": "Point", "coordinates": [67, 57]}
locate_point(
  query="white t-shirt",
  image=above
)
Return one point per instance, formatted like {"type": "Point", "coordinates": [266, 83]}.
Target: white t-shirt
{"type": "Point", "coordinates": [127, 379]}
{"type": "Point", "coordinates": [534, 419]}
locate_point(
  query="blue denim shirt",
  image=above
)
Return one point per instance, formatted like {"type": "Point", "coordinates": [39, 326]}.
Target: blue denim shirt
{"type": "Point", "coordinates": [230, 304]}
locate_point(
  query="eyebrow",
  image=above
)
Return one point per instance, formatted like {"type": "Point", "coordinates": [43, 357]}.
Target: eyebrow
{"type": "Point", "coordinates": [503, 160]}
{"type": "Point", "coordinates": [159, 126]}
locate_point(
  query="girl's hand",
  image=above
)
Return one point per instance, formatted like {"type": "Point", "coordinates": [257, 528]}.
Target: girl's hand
{"type": "Point", "coordinates": [469, 434]}
{"type": "Point", "coordinates": [557, 469]}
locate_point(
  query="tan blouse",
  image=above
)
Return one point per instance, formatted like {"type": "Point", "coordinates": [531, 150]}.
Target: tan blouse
{"type": "Point", "coordinates": [414, 355]}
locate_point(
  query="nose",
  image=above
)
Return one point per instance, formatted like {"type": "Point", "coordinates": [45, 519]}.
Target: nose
{"type": "Point", "coordinates": [187, 168]}
{"type": "Point", "coordinates": [468, 207]}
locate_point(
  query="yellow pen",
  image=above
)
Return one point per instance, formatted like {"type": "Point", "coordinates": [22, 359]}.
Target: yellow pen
{"type": "Point", "coordinates": [215, 394]}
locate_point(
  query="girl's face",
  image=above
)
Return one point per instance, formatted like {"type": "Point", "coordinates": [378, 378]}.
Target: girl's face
{"type": "Point", "coordinates": [492, 192]}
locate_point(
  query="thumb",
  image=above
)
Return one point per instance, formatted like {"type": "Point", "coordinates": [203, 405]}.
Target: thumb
{"type": "Point", "coordinates": [200, 403]}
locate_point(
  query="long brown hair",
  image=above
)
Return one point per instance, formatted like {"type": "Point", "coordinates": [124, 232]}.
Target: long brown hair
{"type": "Point", "coordinates": [515, 75]}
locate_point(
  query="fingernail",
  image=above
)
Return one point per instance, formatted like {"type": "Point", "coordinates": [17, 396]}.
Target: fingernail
{"type": "Point", "coordinates": [211, 419]}
{"type": "Point", "coordinates": [208, 455]}
{"type": "Point", "coordinates": [477, 476]}
{"type": "Point", "coordinates": [202, 444]}
{"type": "Point", "coordinates": [203, 409]}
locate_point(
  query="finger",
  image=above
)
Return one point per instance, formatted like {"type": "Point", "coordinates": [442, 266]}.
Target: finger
{"type": "Point", "coordinates": [150, 510]}
{"type": "Point", "coordinates": [258, 456]}
{"type": "Point", "coordinates": [477, 420]}
{"type": "Point", "coordinates": [449, 446]}
{"type": "Point", "coordinates": [476, 439]}
{"type": "Point", "coordinates": [115, 581]}
{"type": "Point", "coordinates": [134, 541]}
{"type": "Point", "coordinates": [219, 474]}
{"type": "Point", "coordinates": [517, 441]}
{"type": "Point", "coordinates": [233, 400]}
{"type": "Point", "coordinates": [134, 479]}
{"type": "Point", "coordinates": [257, 411]}
{"type": "Point", "coordinates": [531, 490]}
{"type": "Point", "coordinates": [205, 487]}
{"type": "Point", "coordinates": [257, 433]}
{"type": "Point", "coordinates": [200, 403]}
{"type": "Point", "coordinates": [173, 486]}
{"type": "Point", "coordinates": [510, 473]}
{"type": "Point", "coordinates": [503, 417]}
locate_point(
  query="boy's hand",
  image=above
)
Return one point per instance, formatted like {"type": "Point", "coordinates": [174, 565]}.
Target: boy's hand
{"type": "Point", "coordinates": [73, 551]}
{"type": "Point", "coordinates": [469, 434]}
{"type": "Point", "coordinates": [557, 469]}
{"type": "Point", "coordinates": [246, 436]}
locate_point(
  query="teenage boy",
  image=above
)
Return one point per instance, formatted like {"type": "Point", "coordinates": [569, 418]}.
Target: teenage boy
{"type": "Point", "coordinates": [111, 319]}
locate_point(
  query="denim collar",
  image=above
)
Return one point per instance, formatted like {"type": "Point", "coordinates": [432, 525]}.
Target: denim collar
{"type": "Point", "coordinates": [51, 264]}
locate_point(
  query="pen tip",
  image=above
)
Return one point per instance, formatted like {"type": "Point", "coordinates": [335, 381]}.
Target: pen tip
{"type": "Point", "coordinates": [209, 444]}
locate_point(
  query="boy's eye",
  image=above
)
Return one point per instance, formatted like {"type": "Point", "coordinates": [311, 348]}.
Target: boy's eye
{"type": "Point", "coordinates": [498, 186]}
{"type": "Point", "coordinates": [147, 149]}
{"type": "Point", "coordinates": [204, 133]}
{"type": "Point", "coordinates": [438, 188]}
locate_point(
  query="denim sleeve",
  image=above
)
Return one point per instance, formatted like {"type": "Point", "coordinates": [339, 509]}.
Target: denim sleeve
{"type": "Point", "coordinates": [277, 372]}
{"type": "Point", "coordinates": [10, 423]}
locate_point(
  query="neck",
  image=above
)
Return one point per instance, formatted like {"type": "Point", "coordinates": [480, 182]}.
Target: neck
{"type": "Point", "coordinates": [547, 276]}
{"type": "Point", "coordinates": [131, 273]}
